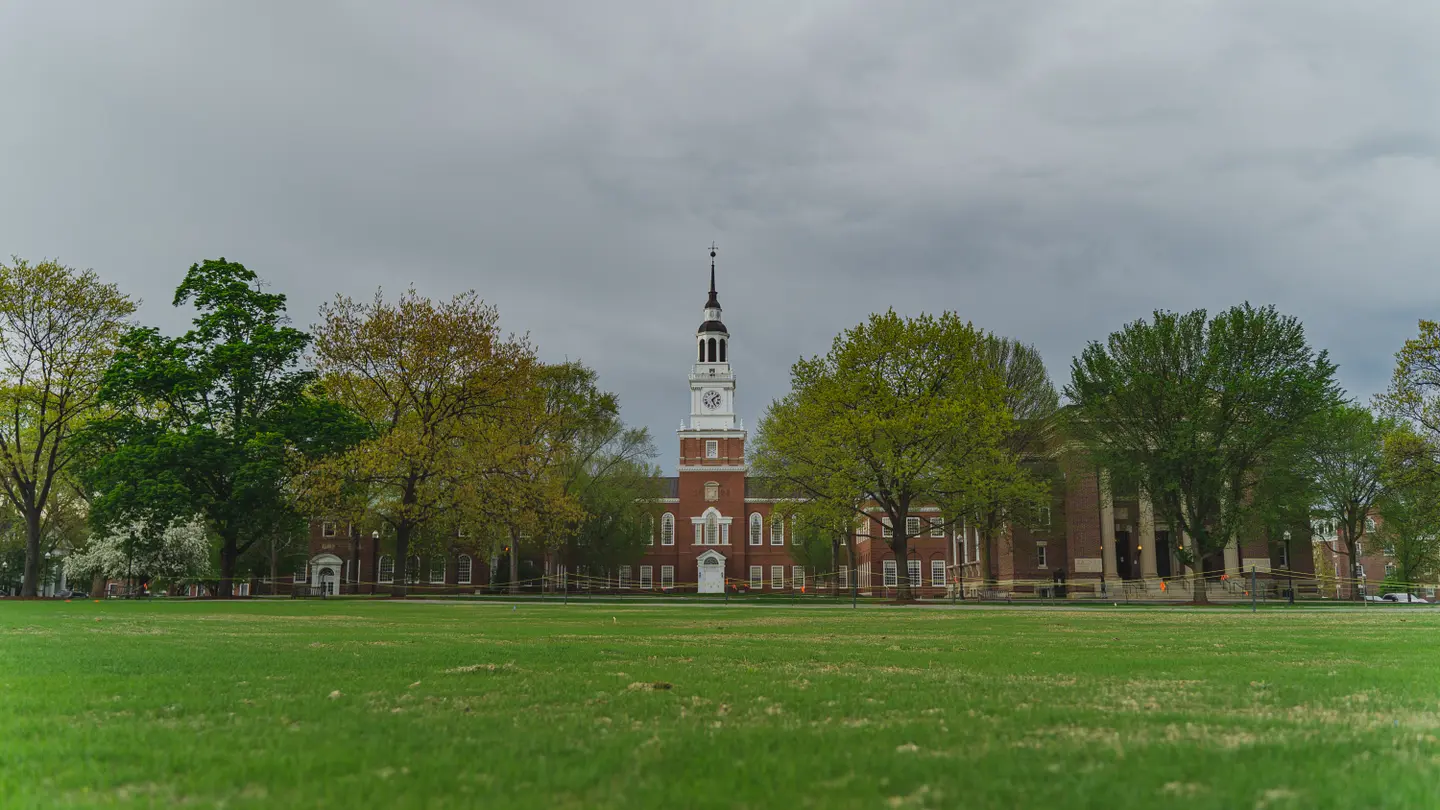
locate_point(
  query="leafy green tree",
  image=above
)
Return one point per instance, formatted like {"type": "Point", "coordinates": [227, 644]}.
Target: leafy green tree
{"type": "Point", "coordinates": [824, 535]}
{"type": "Point", "coordinates": [1347, 458]}
{"type": "Point", "coordinates": [217, 422]}
{"type": "Point", "coordinates": [901, 412]}
{"type": "Point", "coordinates": [1409, 529]}
{"type": "Point", "coordinates": [1414, 392]}
{"type": "Point", "coordinates": [1190, 408]}
{"type": "Point", "coordinates": [58, 330]}
{"type": "Point", "coordinates": [440, 389]}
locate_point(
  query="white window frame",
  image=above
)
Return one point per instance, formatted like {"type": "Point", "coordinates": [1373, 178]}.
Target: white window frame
{"type": "Point", "coordinates": [327, 529]}
{"type": "Point", "coordinates": [757, 577]}
{"type": "Point", "coordinates": [757, 529]}
{"type": "Point", "coordinates": [891, 574]}
{"type": "Point", "coordinates": [624, 577]}
{"type": "Point", "coordinates": [647, 577]}
{"type": "Point", "coordinates": [937, 573]}
{"type": "Point", "coordinates": [1369, 525]}
{"type": "Point", "coordinates": [712, 448]}
{"type": "Point", "coordinates": [1042, 517]}
{"type": "Point", "coordinates": [464, 569]}
{"type": "Point", "coordinates": [777, 531]}
{"type": "Point", "coordinates": [387, 569]}
{"type": "Point", "coordinates": [412, 574]}
{"type": "Point", "coordinates": [667, 530]}
{"type": "Point", "coordinates": [649, 530]}
{"type": "Point", "coordinates": [886, 530]}
{"type": "Point", "coordinates": [667, 577]}
{"type": "Point", "coordinates": [1042, 557]}
{"type": "Point", "coordinates": [797, 577]}
{"type": "Point", "coordinates": [937, 528]}
{"type": "Point", "coordinates": [844, 576]}
{"type": "Point", "coordinates": [777, 577]}
{"type": "Point", "coordinates": [915, 572]}
{"type": "Point", "coordinates": [712, 529]}
{"type": "Point", "coordinates": [863, 530]}
{"type": "Point", "coordinates": [441, 580]}
{"type": "Point", "coordinates": [302, 574]}
{"type": "Point", "coordinates": [912, 526]}
{"type": "Point", "coordinates": [1285, 556]}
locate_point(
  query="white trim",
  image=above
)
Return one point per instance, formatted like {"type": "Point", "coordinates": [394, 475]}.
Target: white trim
{"type": "Point", "coordinates": [712, 468]}
{"type": "Point", "coordinates": [464, 569]}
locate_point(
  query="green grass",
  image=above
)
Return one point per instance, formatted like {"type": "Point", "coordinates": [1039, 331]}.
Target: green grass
{"type": "Point", "coordinates": [360, 704]}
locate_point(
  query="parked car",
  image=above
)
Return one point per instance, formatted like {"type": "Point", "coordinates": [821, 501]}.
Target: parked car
{"type": "Point", "coordinates": [1404, 597]}
{"type": "Point", "coordinates": [1370, 597]}
{"type": "Point", "coordinates": [73, 595]}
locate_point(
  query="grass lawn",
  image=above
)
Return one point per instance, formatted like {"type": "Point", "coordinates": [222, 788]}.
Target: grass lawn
{"type": "Point", "coordinates": [376, 704]}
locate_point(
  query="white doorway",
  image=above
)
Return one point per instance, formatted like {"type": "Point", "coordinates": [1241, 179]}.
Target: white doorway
{"type": "Point", "coordinates": [711, 576]}
{"type": "Point", "coordinates": [323, 577]}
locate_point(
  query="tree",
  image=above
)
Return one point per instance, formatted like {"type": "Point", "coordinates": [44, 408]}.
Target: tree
{"type": "Point", "coordinates": [436, 384]}
{"type": "Point", "coordinates": [58, 330]}
{"type": "Point", "coordinates": [1409, 507]}
{"type": "Point", "coordinates": [901, 412]}
{"type": "Point", "coordinates": [823, 533]}
{"type": "Point", "coordinates": [1347, 459]}
{"type": "Point", "coordinates": [1191, 407]}
{"type": "Point", "coordinates": [216, 422]}
{"type": "Point", "coordinates": [1414, 392]}
{"type": "Point", "coordinates": [180, 551]}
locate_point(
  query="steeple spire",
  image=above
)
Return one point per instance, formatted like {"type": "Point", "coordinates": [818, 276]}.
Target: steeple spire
{"type": "Point", "coordinates": [713, 302]}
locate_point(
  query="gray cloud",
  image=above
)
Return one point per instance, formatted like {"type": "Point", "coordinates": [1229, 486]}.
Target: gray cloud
{"type": "Point", "coordinates": [1049, 170]}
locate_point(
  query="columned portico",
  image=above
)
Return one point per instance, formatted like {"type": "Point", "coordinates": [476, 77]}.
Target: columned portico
{"type": "Point", "coordinates": [325, 574]}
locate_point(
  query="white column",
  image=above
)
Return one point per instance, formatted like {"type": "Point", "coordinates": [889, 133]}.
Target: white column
{"type": "Point", "coordinates": [1232, 558]}
{"type": "Point", "coordinates": [1147, 537]}
{"type": "Point", "coordinates": [1107, 528]}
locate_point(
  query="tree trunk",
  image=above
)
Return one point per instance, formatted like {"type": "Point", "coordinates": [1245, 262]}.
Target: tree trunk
{"type": "Point", "coordinates": [274, 566]}
{"type": "Point", "coordinates": [1351, 576]}
{"type": "Point", "coordinates": [514, 562]}
{"type": "Point", "coordinates": [835, 566]}
{"type": "Point", "coordinates": [30, 587]}
{"type": "Point", "coordinates": [402, 559]}
{"type": "Point", "coordinates": [901, 547]}
{"type": "Point", "coordinates": [229, 542]}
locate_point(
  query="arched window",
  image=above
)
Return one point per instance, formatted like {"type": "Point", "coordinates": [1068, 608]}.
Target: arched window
{"type": "Point", "coordinates": [702, 350]}
{"type": "Point", "coordinates": [712, 349]}
{"type": "Point", "coordinates": [667, 529]}
{"type": "Point", "coordinates": [412, 570]}
{"type": "Point", "coordinates": [712, 528]}
{"type": "Point", "coordinates": [649, 530]}
{"type": "Point", "coordinates": [387, 569]}
{"type": "Point", "coordinates": [777, 532]}
{"type": "Point", "coordinates": [437, 571]}
{"type": "Point", "coordinates": [757, 529]}
{"type": "Point", "coordinates": [462, 569]}
{"type": "Point", "coordinates": [722, 350]}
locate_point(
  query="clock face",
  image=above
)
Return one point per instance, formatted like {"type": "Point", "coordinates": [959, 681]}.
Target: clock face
{"type": "Point", "coordinates": [711, 399]}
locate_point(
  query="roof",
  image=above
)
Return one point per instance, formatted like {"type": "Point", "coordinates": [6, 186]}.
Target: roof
{"type": "Point", "coordinates": [712, 326]}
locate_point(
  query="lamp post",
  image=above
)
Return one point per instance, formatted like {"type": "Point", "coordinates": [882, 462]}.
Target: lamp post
{"type": "Point", "coordinates": [375, 555]}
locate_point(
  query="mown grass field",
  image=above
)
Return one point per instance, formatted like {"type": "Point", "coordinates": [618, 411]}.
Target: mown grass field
{"type": "Point", "coordinates": [375, 704]}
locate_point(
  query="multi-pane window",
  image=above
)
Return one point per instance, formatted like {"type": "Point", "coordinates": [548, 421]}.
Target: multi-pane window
{"type": "Point", "coordinates": [667, 529]}
{"type": "Point", "coordinates": [863, 530]}
{"type": "Point", "coordinates": [327, 529]}
{"type": "Point", "coordinates": [937, 527]}
{"type": "Point", "coordinates": [912, 526]}
{"type": "Point", "coordinates": [387, 569]}
{"type": "Point", "coordinates": [712, 529]}
{"type": "Point", "coordinates": [1040, 558]}
{"type": "Point", "coordinates": [462, 569]}
{"type": "Point", "coordinates": [777, 532]}
{"type": "Point", "coordinates": [712, 448]}
{"type": "Point", "coordinates": [886, 530]}
{"type": "Point", "coordinates": [757, 529]}
{"type": "Point", "coordinates": [844, 576]}
{"type": "Point", "coordinates": [777, 577]}
{"type": "Point", "coordinates": [302, 573]}
{"type": "Point", "coordinates": [437, 571]}
{"type": "Point", "coordinates": [937, 573]}
{"type": "Point", "coordinates": [913, 569]}
{"type": "Point", "coordinates": [649, 530]}
{"type": "Point", "coordinates": [797, 576]}
{"type": "Point", "coordinates": [647, 576]}
{"type": "Point", "coordinates": [891, 574]}
{"type": "Point", "coordinates": [757, 577]}
{"type": "Point", "coordinates": [1042, 516]}
{"type": "Point", "coordinates": [624, 576]}
{"type": "Point", "coordinates": [667, 576]}
{"type": "Point", "coordinates": [412, 570]}
{"type": "Point", "coordinates": [1369, 524]}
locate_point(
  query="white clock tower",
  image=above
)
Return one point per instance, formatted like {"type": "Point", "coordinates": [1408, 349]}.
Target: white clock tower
{"type": "Point", "coordinates": [712, 383]}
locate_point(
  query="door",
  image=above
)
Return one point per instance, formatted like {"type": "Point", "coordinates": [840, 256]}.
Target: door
{"type": "Point", "coordinates": [327, 581]}
{"type": "Point", "coordinates": [712, 576]}
{"type": "Point", "coordinates": [1125, 562]}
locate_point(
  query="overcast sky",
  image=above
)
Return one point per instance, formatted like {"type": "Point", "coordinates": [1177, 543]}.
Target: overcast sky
{"type": "Point", "coordinates": [1050, 170]}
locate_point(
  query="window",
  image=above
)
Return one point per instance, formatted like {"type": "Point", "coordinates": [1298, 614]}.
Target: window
{"type": "Point", "coordinates": [777, 532]}
{"type": "Point", "coordinates": [891, 578]}
{"type": "Point", "coordinates": [844, 576]}
{"type": "Point", "coordinates": [1390, 570]}
{"type": "Point", "coordinates": [701, 357]}
{"type": "Point", "coordinates": [647, 576]}
{"type": "Point", "coordinates": [437, 571]}
{"type": "Point", "coordinates": [1285, 556]}
{"type": "Point", "coordinates": [387, 569]}
{"type": "Point", "coordinates": [912, 526]}
{"type": "Point", "coordinates": [667, 576]}
{"type": "Point", "coordinates": [711, 342]}
{"type": "Point", "coordinates": [302, 573]}
{"type": "Point", "coordinates": [937, 527]}
{"type": "Point", "coordinates": [863, 530]}
{"type": "Point", "coordinates": [1040, 560]}
{"type": "Point", "coordinates": [913, 569]}
{"type": "Point", "coordinates": [797, 576]}
{"type": "Point", "coordinates": [777, 577]}
{"type": "Point", "coordinates": [649, 530]}
{"type": "Point", "coordinates": [1369, 524]}
{"type": "Point", "coordinates": [712, 529]}
{"type": "Point", "coordinates": [667, 530]}
{"type": "Point", "coordinates": [462, 569]}
{"type": "Point", "coordinates": [757, 577]}
{"type": "Point", "coordinates": [886, 530]}
{"type": "Point", "coordinates": [327, 529]}
{"type": "Point", "coordinates": [412, 570]}
{"type": "Point", "coordinates": [624, 576]}
{"type": "Point", "coordinates": [1042, 516]}
{"type": "Point", "coordinates": [937, 573]}
{"type": "Point", "coordinates": [722, 350]}
{"type": "Point", "coordinates": [712, 448]}
{"type": "Point", "coordinates": [712, 492]}
{"type": "Point", "coordinates": [757, 529]}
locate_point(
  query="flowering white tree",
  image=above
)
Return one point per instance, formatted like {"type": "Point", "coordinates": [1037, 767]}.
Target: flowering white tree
{"type": "Point", "coordinates": [181, 551]}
